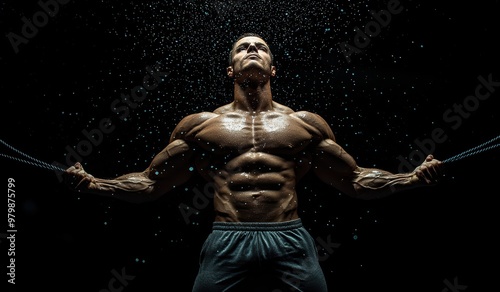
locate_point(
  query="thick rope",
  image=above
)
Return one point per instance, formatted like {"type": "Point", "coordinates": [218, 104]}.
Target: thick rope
{"type": "Point", "coordinates": [34, 162]}
{"type": "Point", "coordinates": [473, 151]}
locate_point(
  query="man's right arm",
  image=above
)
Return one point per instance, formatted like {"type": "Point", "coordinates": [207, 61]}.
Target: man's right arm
{"type": "Point", "coordinates": [171, 167]}
{"type": "Point", "coordinates": [168, 169]}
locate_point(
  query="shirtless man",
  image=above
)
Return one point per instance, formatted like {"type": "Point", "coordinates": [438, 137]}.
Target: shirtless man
{"type": "Point", "coordinates": [254, 151]}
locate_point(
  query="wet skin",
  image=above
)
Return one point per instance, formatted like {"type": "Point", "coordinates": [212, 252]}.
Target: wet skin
{"type": "Point", "coordinates": [254, 151]}
{"type": "Point", "coordinates": [254, 159]}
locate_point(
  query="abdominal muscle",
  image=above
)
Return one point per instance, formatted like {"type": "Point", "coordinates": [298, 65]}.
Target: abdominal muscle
{"type": "Point", "coordinates": [255, 187]}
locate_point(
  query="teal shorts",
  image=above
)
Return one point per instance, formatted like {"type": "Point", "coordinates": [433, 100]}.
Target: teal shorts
{"type": "Point", "coordinates": [259, 256]}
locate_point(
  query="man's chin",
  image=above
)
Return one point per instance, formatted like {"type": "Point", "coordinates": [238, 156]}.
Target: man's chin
{"type": "Point", "coordinates": [255, 71]}
{"type": "Point", "coordinates": [254, 79]}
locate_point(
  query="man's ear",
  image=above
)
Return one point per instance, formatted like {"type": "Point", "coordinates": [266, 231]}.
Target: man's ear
{"type": "Point", "coordinates": [273, 71]}
{"type": "Point", "coordinates": [230, 71]}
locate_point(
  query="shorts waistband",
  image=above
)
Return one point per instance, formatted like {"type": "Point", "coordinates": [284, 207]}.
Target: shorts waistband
{"type": "Point", "coordinates": [258, 226]}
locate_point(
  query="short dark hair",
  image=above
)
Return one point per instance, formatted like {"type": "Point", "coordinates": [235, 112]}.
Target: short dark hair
{"type": "Point", "coordinates": [247, 34]}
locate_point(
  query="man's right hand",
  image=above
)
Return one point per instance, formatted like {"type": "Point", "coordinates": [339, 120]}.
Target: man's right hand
{"type": "Point", "coordinates": [78, 179]}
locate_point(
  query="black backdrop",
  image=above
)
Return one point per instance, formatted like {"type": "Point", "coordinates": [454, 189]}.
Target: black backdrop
{"type": "Point", "coordinates": [63, 73]}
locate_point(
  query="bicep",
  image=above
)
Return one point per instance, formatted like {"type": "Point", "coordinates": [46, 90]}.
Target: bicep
{"type": "Point", "coordinates": [172, 166]}
{"type": "Point", "coordinates": [334, 166]}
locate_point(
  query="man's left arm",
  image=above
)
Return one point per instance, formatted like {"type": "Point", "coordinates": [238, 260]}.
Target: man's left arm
{"type": "Point", "coordinates": [333, 165]}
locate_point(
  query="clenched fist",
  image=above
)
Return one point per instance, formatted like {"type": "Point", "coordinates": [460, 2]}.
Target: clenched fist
{"type": "Point", "coordinates": [78, 179]}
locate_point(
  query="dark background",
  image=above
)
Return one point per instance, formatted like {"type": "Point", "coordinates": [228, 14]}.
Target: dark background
{"type": "Point", "coordinates": [395, 92]}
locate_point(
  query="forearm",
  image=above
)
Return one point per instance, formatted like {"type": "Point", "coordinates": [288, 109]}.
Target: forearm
{"type": "Point", "coordinates": [169, 168]}
{"type": "Point", "coordinates": [369, 183]}
{"type": "Point", "coordinates": [134, 187]}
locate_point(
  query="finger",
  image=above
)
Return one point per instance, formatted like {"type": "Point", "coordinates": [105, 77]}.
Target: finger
{"type": "Point", "coordinates": [70, 169]}
{"type": "Point", "coordinates": [433, 176]}
{"type": "Point", "coordinates": [433, 173]}
{"type": "Point", "coordinates": [427, 174]}
{"type": "Point", "coordinates": [421, 175]}
{"type": "Point", "coordinates": [437, 169]}
{"type": "Point", "coordinates": [83, 183]}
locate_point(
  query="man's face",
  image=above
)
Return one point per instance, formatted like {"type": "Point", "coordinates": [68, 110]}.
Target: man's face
{"type": "Point", "coordinates": [251, 56]}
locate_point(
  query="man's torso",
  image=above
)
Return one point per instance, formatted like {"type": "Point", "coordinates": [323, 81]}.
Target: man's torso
{"type": "Point", "coordinates": [254, 160]}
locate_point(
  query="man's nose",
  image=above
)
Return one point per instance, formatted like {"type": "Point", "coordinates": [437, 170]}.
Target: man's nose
{"type": "Point", "coordinates": [252, 47]}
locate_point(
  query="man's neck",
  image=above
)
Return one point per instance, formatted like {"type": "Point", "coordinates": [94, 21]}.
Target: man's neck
{"type": "Point", "coordinates": [253, 98]}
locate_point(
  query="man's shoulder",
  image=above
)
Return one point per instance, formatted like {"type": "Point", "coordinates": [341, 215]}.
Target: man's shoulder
{"type": "Point", "coordinates": [223, 109]}
{"type": "Point", "coordinates": [282, 108]}
{"type": "Point", "coordinates": [307, 116]}
{"type": "Point", "coordinates": [189, 123]}
{"type": "Point", "coordinates": [196, 119]}
{"type": "Point", "coordinates": [315, 121]}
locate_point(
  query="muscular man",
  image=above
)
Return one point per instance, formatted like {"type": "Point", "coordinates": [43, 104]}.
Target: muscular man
{"type": "Point", "coordinates": [254, 151]}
